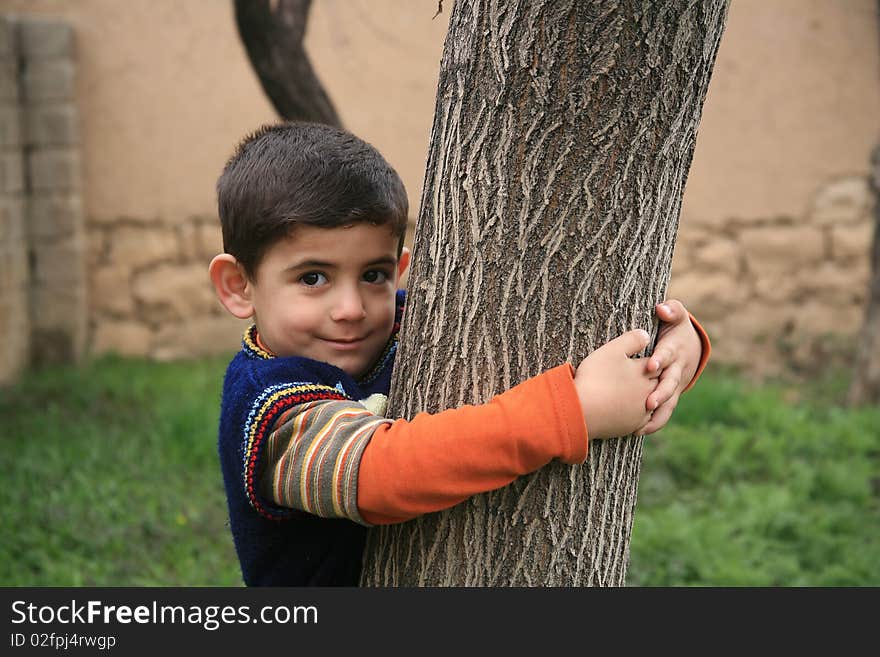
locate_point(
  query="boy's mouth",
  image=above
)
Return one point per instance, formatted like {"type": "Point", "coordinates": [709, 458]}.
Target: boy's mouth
{"type": "Point", "coordinates": [345, 344]}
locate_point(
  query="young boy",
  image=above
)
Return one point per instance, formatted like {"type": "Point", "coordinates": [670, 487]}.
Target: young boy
{"type": "Point", "coordinates": [313, 221]}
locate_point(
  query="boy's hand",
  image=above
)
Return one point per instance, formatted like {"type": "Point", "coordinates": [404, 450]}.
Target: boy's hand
{"type": "Point", "coordinates": [675, 360]}
{"type": "Point", "coordinates": [613, 387]}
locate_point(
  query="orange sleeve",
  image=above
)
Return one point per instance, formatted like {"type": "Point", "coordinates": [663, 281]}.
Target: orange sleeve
{"type": "Point", "coordinates": [704, 357]}
{"type": "Point", "coordinates": [433, 462]}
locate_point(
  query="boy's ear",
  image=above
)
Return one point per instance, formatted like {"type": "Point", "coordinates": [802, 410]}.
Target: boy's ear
{"type": "Point", "coordinates": [403, 263]}
{"type": "Point", "coordinates": [231, 285]}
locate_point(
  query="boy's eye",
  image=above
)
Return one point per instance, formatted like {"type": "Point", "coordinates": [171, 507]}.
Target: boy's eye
{"type": "Point", "coordinates": [313, 279]}
{"type": "Point", "coordinates": [375, 276]}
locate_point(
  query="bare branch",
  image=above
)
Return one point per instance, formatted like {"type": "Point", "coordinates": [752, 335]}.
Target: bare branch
{"type": "Point", "coordinates": [272, 33]}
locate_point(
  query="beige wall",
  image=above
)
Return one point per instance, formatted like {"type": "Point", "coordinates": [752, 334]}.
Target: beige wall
{"type": "Point", "coordinates": [794, 102]}
{"type": "Point", "coordinates": [379, 62]}
{"type": "Point", "coordinates": [165, 91]}
{"type": "Point", "coordinates": [776, 218]}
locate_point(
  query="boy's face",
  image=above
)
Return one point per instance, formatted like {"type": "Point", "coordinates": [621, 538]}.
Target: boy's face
{"type": "Point", "coordinates": [329, 294]}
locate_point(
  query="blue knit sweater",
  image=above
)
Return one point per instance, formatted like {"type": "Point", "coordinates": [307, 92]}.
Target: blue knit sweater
{"type": "Point", "coordinates": [277, 546]}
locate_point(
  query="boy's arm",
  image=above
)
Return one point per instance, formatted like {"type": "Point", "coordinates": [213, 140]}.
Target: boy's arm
{"type": "Point", "coordinates": [434, 462]}
{"type": "Point", "coordinates": [336, 459]}
{"type": "Point", "coordinates": [311, 458]}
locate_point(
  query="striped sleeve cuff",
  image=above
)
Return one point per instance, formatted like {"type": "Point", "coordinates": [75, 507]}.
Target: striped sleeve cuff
{"type": "Point", "coordinates": [313, 457]}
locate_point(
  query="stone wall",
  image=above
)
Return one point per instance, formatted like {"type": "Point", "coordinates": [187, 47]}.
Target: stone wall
{"type": "Point", "coordinates": [43, 301]}
{"type": "Point", "coordinates": [150, 291]}
{"type": "Point", "coordinates": [782, 292]}
{"type": "Point", "coordinates": [775, 294]}
{"type": "Point", "coordinates": [14, 314]}
{"type": "Point", "coordinates": [56, 228]}
{"type": "Point", "coordinates": [69, 286]}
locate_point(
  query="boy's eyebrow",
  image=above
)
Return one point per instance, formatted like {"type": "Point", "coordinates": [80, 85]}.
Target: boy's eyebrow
{"type": "Point", "coordinates": [311, 263]}
{"type": "Point", "coordinates": [386, 260]}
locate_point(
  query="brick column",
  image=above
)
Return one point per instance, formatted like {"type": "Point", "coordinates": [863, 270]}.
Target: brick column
{"type": "Point", "coordinates": [14, 310]}
{"type": "Point", "coordinates": [56, 231]}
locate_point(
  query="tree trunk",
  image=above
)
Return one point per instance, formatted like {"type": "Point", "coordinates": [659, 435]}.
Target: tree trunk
{"type": "Point", "coordinates": [563, 133]}
{"type": "Point", "coordinates": [272, 33]}
{"type": "Point", "coordinates": [865, 387]}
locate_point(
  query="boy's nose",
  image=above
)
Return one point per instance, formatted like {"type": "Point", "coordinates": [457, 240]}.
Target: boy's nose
{"type": "Point", "coordinates": [349, 306]}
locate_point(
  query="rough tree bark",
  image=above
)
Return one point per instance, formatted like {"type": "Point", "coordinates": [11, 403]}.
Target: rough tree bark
{"type": "Point", "coordinates": [272, 32]}
{"type": "Point", "coordinates": [563, 133]}
{"type": "Point", "coordinates": [865, 388]}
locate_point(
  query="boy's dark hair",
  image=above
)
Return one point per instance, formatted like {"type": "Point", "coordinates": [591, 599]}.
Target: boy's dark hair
{"type": "Point", "coordinates": [303, 173]}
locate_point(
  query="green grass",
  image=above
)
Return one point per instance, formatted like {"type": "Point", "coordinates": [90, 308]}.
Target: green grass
{"type": "Point", "coordinates": [769, 486]}
{"type": "Point", "coordinates": [110, 478]}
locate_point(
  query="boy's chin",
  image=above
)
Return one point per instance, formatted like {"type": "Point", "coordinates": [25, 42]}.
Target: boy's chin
{"type": "Point", "coordinates": [355, 368]}
{"type": "Point", "coordinates": [355, 362]}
